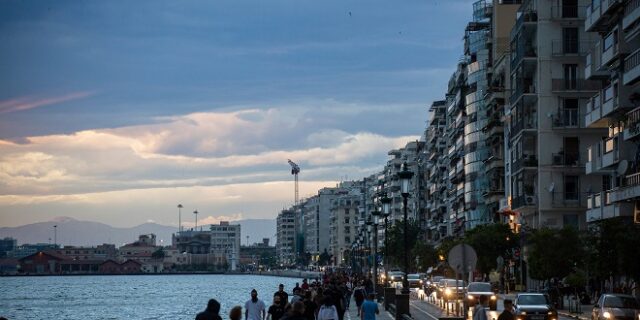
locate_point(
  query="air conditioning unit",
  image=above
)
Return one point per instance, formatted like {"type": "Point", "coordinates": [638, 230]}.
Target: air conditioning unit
{"type": "Point", "coordinates": [530, 200]}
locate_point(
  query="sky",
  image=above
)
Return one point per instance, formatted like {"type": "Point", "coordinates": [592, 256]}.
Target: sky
{"type": "Point", "coordinates": [117, 111]}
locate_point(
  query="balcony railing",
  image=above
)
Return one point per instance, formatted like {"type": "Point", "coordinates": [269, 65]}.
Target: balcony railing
{"type": "Point", "coordinates": [632, 180]}
{"type": "Point", "coordinates": [631, 13]}
{"type": "Point", "coordinates": [568, 12]}
{"type": "Point", "coordinates": [631, 68]}
{"type": "Point", "coordinates": [568, 199]}
{"type": "Point", "coordinates": [574, 85]}
{"type": "Point", "coordinates": [524, 124]}
{"type": "Point", "coordinates": [524, 200]}
{"type": "Point", "coordinates": [566, 118]}
{"type": "Point", "coordinates": [522, 86]}
{"type": "Point", "coordinates": [523, 17]}
{"type": "Point", "coordinates": [565, 159]}
{"type": "Point", "coordinates": [530, 161]}
{"type": "Point", "coordinates": [570, 48]}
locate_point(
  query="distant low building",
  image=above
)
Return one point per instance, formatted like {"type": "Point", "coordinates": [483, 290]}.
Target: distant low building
{"type": "Point", "coordinates": [219, 246]}
{"type": "Point", "coordinates": [114, 267]}
{"type": "Point", "coordinates": [29, 249]}
{"type": "Point", "coordinates": [100, 252]}
{"type": "Point", "coordinates": [41, 263]}
{"type": "Point", "coordinates": [257, 255]}
{"type": "Point", "coordinates": [9, 266]}
{"type": "Point", "coordinates": [141, 250]}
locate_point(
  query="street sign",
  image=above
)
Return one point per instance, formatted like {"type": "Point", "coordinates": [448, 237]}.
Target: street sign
{"type": "Point", "coordinates": [462, 258]}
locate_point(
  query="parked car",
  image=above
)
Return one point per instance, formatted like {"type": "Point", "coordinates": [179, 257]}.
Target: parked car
{"type": "Point", "coordinates": [534, 306]}
{"type": "Point", "coordinates": [616, 307]}
{"type": "Point", "coordinates": [477, 289]}
{"type": "Point", "coordinates": [415, 280]}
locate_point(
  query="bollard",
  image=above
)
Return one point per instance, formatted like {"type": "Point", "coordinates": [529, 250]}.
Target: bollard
{"type": "Point", "coordinates": [389, 297]}
{"type": "Point", "coordinates": [402, 305]}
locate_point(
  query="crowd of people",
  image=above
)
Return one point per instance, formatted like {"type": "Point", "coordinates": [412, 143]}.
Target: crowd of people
{"type": "Point", "coordinates": [322, 299]}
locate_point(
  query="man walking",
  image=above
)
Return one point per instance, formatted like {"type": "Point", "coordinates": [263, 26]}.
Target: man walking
{"type": "Point", "coordinates": [255, 308]}
{"type": "Point", "coordinates": [479, 312]}
{"type": "Point", "coordinates": [284, 296]}
{"type": "Point", "coordinates": [369, 308]}
{"type": "Point", "coordinates": [507, 314]}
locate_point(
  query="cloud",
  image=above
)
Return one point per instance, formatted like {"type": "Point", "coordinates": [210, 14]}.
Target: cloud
{"type": "Point", "coordinates": [26, 103]}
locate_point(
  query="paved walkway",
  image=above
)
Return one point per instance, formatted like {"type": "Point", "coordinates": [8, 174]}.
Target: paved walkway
{"type": "Point", "coordinates": [352, 313]}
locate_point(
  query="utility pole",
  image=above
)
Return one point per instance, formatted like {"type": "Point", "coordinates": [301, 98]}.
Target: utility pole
{"type": "Point", "coordinates": [55, 236]}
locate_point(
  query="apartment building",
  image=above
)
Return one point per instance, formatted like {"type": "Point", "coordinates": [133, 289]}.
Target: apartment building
{"type": "Point", "coordinates": [546, 140]}
{"type": "Point", "coordinates": [436, 174]}
{"type": "Point", "coordinates": [412, 155]}
{"type": "Point", "coordinates": [225, 242]}
{"type": "Point", "coordinates": [286, 237]}
{"type": "Point", "coordinates": [343, 224]}
{"type": "Point", "coordinates": [614, 60]}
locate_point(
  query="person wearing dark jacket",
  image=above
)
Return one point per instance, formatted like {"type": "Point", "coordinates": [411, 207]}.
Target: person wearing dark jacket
{"type": "Point", "coordinates": [296, 312]}
{"type": "Point", "coordinates": [212, 311]}
{"type": "Point", "coordinates": [507, 314]}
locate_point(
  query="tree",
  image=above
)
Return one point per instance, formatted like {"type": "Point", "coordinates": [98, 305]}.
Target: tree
{"type": "Point", "coordinates": [611, 249]}
{"type": "Point", "coordinates": [325, 258]}
{"type": "Point", "coordinates": [554, 253]}
{"type": "Point", "coordinates": [491, 241]}
{"type": "Point", "coordinates": [425, 256]}
{"type": "Point", "coordinates": [158, 254]}
{"type": "Point", "coordinates": [396, 244]}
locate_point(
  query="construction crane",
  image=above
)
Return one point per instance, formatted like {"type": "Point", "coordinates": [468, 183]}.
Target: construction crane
{"type": "Point", "coordinates": [295, 169]}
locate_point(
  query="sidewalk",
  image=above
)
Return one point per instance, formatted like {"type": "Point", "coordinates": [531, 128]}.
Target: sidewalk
{"type": "Point", "coordinates": [352, 312]}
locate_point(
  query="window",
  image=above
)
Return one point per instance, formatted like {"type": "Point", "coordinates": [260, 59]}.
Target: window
{"type": "Point", "coordinates": [571, 187]}
{"type": "Point", "coordinates": [570, 8]}
{"type": "Point", "coordinates": [570, 39]}
{"type": "Point", "coordinates": [571, 76]}
{"type": "Point", "coordinates": [610, 40]}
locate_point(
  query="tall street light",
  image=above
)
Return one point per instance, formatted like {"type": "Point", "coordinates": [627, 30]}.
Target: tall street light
{"type": "Point", "coordinates": [375, 215]}
{"type": "Point", "coordinates": [405, 178]}
{"type": "Point", "coordinates": [55, 236]}
{"type": "Point", "coordinates": [180, 217]}
{"type": "Point", "coordinates": [386, 211]}
{"type": "Point", "coordinates": [371, 251]}
{"type": "Point", "coordinates": [196, 213]}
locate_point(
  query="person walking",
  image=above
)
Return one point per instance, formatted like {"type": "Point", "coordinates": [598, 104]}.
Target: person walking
{"type": "Point", "coordinates": [235, 313]}
{"type": "Point", "coordinates": [211, 312]}
{"type": "Point", "coordinates": [284, 296]}
{"type": "Point", "coordinates": [310, 307]}
{"type": "Point", "coordinates": [296, 312]}
{"type": "Point", "coordinates": [508, 313]}
{"type": "Point", "coordinates": [479, 312]}
{"type": "Point", "coordinates": [359, 295]}
{"type": "Point", "coordinates": [327, 310]}
{"type": "Point", "coordinates": [255, 308]}
{"type": "Point", "coordinates": [369, 308]}
{"type": "Point", "coordinates": [276, 310]}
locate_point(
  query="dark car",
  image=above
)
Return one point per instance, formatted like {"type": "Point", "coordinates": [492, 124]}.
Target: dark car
{"type": "Point", "coordinates": [616, 307]}
{"type": "Point", "coordinates": [534, 306]}
{"type": "Point", "coordinates": [451, 289]}
{"type": "Point", "coordinates": [477, 289]}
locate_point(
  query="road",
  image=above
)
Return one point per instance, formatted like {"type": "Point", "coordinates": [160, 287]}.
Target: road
{"type": "Point", "coordinates": [428, 310]}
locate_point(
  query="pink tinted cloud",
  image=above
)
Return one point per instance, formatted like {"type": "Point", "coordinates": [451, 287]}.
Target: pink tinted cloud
{"type": "Point", "coordinates": [26, 103]}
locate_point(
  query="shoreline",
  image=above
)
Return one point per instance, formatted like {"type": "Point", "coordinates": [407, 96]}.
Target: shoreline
{"type": "Point", "coordinates": [275, 273]}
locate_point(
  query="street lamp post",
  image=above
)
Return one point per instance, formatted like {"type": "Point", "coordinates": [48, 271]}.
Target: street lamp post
{"type": "Point", "coordinates": [386, 211]}
{"type": "Point", "coordinates": [375, 215]}
{"type": "Point", "coordinates": [405, 178]}
{"type": "Point", "coordinates": [196, 213]}
{"type": "Point", "coordinates": [55, 236]}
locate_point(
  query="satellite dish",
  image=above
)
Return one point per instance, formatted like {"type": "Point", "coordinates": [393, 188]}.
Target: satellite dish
{"type": "Point", "coordinates": [623, 167]}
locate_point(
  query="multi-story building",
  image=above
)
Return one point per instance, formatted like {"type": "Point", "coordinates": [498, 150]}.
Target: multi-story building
{"type": "Point", "coordinates": [614, 60]}
{"type": "Point", "coordinates": [411, 155]}
{"type": "Point", "coordinates": [436, 172]}
{"type": "Point", "coordinates": [217, 246]}
{"type": "Point", "coordinates": [141, 250]}
{"type": "Point", "coordinates": [225, 242]}
{"type": "Point", "coordinates": [343, 224]}
{"type": "Point", "coordinates": [547, 144]}
{"type": "Point", "coordinates": [6, 245]}
{"type": "Point", "coordinates": [286, 237]}
{"type": "Point", "coordinates": [29, 249]}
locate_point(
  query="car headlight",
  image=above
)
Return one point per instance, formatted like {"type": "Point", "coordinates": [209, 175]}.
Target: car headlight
{"type": "Point", "coordinates": [524, 313]}
{"type": "Point", "coordinates": [470, 297]}
{"type": "Point", "coordinates": [493, 297]}
{"type": "Point", "coordinates": [447, 291]}
{"type": "Point", "coordinates": [420, 281]}
{"type": "Point", "coordinates": [607, 315]}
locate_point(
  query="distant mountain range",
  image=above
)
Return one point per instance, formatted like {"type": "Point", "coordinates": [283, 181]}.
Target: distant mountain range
{"type": "Point", "coordinates": [88, 233]}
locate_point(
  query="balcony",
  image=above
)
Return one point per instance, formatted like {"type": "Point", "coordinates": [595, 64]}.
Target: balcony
{"type": "Point", "coordinates": [632, 127]}
{"type": "Point", "coordinates": [611, 53]}
{"type": "Point", "coordinates": [521, 125]}
{"type": "Point", "coordinates": [599, 207]}
{"type": "Point", "coordinates": [525, 200]}
{"type": "Point", "coordinates": [599, 13]}
{"type": "Point", "coordinates": [566, 119]}
{"type": "Point", "coordinates": [568, 199]}
{"type": "Point", "coordinates": [575, 85]}
{"type": "Point", "coordinates": [522, 86]}
{"type": "Point", "coordinates": [631, 14]}
{"type": "Point", "coordinates": [631, 68]}
{"type": "Point", "coordinates": [523, 18]}
{"type": "Point", "coordinates": [561, 48]}
{"type": "Point", "coordinates": [565, 159]}
{"type": "Point", "coordinates": [604, 155]}
{"type": "Point", "coordinates": [594, 117]}
{"type": "Point", "coordinates": [526, 162]}
{"type": "Point", "coordinates": [630, 189]}
{"type": "Point", "coordinates": [568, 12]}
{"type": "Point", "coordinates": [593, 69]}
